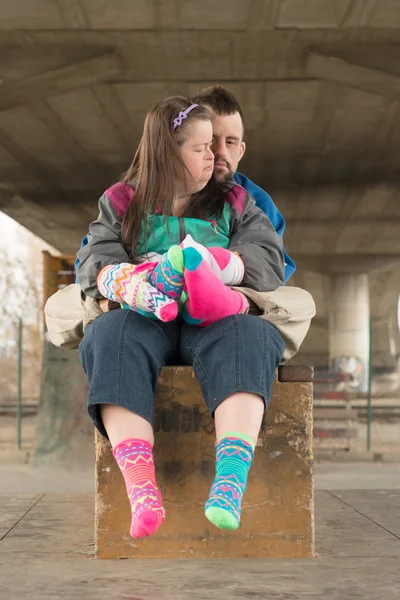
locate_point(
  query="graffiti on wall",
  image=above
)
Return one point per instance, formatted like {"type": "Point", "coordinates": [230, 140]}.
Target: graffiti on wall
{"type": "Point", "coordinates": [357, 368]}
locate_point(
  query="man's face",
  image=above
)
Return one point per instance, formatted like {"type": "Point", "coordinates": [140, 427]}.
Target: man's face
{"type": "Point", "coordinates": [228, 146]}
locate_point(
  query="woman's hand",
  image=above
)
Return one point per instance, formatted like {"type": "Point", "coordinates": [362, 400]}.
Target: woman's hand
{"type": "Point", "coordinates": [128, 285]}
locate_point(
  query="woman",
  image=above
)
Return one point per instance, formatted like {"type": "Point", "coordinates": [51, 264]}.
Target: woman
{"type": "Point", "coordinates": [234, 355]}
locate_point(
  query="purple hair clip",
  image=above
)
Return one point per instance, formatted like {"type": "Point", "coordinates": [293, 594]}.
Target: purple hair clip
{"type": "Point", "coordinates": [182, 115]}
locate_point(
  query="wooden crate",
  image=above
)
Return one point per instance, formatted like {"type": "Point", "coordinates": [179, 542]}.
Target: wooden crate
{"type": "Point", "coordinates": [278, 510]}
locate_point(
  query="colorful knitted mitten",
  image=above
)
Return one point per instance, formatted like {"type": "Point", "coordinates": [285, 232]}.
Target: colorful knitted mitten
{"type": "Point", "coordinates": [135, 459]}
{"type": "Point", "coordinates": [235, 454]}
{"type": "Point", "coordinates": [209, 299]}
{"type": "Point", "coordinates": [128, 284]}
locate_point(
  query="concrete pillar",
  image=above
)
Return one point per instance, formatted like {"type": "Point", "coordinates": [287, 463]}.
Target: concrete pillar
{"type": "Point", "coordinates": [65, 431]}
{"type": "Point", "coordinates": [349, 328]}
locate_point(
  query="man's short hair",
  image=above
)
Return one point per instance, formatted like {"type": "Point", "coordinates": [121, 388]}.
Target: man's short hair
{"type": "Point", "coordinates": [219, 99]}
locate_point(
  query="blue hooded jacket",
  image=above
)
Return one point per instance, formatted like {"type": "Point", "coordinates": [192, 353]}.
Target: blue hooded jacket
{"type": "Point", "coordinates": [263, 201]}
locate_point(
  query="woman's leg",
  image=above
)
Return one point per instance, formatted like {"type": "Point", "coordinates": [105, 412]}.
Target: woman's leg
{"type": "Point", "coordinates": [239, 412]}
{"type": "Point", "coordinates": [235, 360]}
{"type": "Point", "coordinates": [120, 424]}
{"type": "Point", "coordinates": [122, 354]}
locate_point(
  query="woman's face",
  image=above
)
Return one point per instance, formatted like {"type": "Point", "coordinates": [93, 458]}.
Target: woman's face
{"type": "Point", "coordinates": [197, 156]}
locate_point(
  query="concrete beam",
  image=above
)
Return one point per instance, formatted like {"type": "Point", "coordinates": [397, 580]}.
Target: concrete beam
{"type": "Point", "coordinates": [329, 264]}
{"type": "Point", "coordinates": [334, 69]}
{"type": "Point", "coordinates": [59, 81]}
{"type": "Point", "coordinates": [38, 220]}
{"type": "Point", "coordinates": [31, 165]}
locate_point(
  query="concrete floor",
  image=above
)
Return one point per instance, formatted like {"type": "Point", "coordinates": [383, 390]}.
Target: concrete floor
{"type": "Point", "coordinates": [23, 479]}
{"type": "Point", "coordinates": [46, 551]}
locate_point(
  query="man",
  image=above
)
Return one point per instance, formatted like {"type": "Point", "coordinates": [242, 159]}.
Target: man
{"type": "Point", "coordinates": [228, 148]}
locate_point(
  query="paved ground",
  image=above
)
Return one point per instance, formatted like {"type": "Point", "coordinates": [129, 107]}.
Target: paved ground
{"type": "Point", "coordinates": [46, 544]}
{"type": "Point", "coordinates": [357, 476]}
{"type": "Point", "coordinates": [46, 551]}
{"type": "Point", "coordinates": [22, 478]}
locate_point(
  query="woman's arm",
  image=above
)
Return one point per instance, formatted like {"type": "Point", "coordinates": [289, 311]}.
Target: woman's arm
{"type": "Point", "coordinates": [254, 238]}
{"type": "Point", "coordinates": [104, 245]}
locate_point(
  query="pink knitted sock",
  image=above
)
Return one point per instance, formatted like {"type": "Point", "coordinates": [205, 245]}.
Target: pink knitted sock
{"type": "Point", "coordinates": [208, 298]}
{"type": "Point", "coordinates": [135, 459]}
{"type": "Point", "coordinates": [227, 265]}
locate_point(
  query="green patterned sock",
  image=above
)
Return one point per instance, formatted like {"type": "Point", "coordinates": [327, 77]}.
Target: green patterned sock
{"type": "Point", "coordinates": [167, 277]}
{"type": "Point", "coordinates": [235, 453]}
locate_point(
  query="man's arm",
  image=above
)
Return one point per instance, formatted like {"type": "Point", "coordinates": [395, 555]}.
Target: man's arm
{"type": "Point", "coordinates": [267, 205]}
{"type": "Point", "coordinates": [255, 240]}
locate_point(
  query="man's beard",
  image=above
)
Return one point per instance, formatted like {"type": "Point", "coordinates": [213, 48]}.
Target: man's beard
{"type": "Point", "coordinates": [222, 175]}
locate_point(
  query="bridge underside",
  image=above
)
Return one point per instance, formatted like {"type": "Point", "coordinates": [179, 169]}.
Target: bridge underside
{"type": "Point", "coordinates": [319, 83]}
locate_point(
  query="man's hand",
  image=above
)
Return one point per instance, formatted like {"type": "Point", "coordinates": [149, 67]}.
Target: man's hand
{"type": "Point", "coordinates": [103, 304]}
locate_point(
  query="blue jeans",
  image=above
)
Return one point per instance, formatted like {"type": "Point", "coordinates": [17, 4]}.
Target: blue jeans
{"type": "Point", "coordinates": [122, 354]}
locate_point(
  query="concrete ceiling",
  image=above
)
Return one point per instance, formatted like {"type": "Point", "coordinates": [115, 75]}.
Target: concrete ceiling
{"type": "Point", "coordinates": [319, 82]}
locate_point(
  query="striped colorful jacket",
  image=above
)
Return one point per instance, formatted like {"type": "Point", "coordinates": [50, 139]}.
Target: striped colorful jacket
{"type": "Point", "coordinates": [242, 228]}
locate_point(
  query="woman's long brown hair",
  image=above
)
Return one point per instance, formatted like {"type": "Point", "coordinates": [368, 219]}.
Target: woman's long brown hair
{"type": "Point", "coordinates": [158, 165]}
